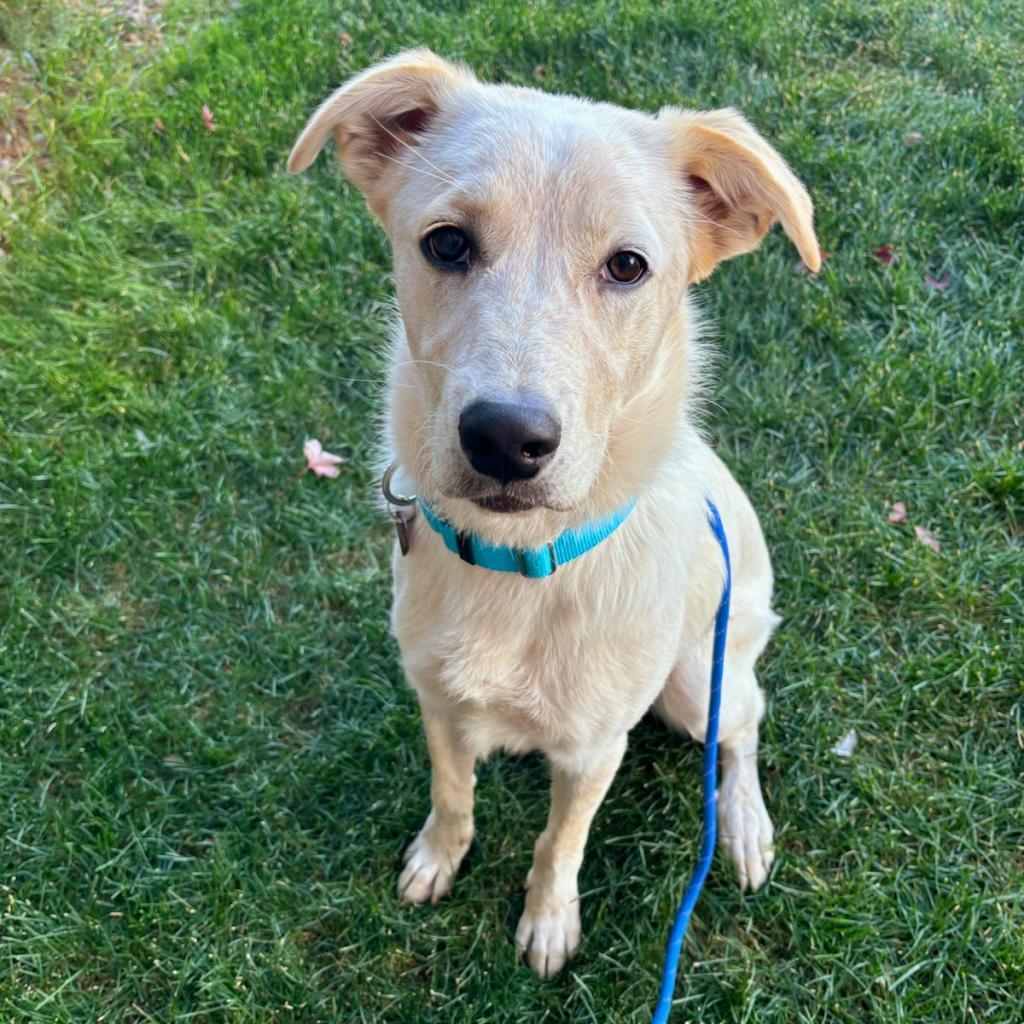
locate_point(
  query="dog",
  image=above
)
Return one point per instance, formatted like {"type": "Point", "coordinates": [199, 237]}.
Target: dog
{"type": "Point", "coordinates": [546, 372]}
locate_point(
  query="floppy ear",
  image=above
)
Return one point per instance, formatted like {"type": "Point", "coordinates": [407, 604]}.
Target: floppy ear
{"type": "Point", "coordinates": [376, 115]}
{"type": "Point", "coordinates": [739, 185]}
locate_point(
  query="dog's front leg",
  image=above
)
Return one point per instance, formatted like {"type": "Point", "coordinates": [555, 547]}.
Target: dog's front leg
{"type": "Point", "coordinates": [433, 858]}
{"type": "Point", "coordinates": [549, 930]}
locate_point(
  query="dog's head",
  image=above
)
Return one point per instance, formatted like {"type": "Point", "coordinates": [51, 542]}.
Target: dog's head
{"type": "Point", "coordinates": [542, 249]}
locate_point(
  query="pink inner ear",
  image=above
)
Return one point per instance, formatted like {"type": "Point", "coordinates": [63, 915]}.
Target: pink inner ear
{"type": "Point", "coordinates": [389, 135]}
{"type": "Point", "coordinates": [411, 121]}
{"type": "Point", "coordinates": [707, 199]}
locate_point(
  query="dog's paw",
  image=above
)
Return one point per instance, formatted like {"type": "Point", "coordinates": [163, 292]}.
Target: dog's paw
{"type": "Point", "coordinates": [432, 861]}
{"type": "Point", "coordinates": [548, 934]}
{"type": "Point", "coordinates": [745, 830]}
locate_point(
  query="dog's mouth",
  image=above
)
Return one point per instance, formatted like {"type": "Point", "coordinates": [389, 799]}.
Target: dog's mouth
{"type": "Point", "coordinates": [506, 499]}
{"type": "Point", "coordinates": [503, 503]}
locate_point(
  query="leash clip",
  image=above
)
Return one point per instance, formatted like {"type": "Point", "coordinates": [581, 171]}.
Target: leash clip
{"type": "Point", "coordinates": [401, 508]}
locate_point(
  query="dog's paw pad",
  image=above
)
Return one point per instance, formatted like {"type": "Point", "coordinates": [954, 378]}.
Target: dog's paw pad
{"type": "Point", "coordinates": [547, 936]}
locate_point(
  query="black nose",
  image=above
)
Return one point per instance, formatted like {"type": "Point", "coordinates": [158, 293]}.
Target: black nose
{"type": "Point", "coordinates": [508, 440]}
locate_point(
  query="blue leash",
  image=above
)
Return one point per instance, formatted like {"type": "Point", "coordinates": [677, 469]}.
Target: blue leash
{"type": "Point", "coordinates": [710, 785]}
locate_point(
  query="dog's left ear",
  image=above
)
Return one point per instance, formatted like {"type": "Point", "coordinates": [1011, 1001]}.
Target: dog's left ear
{"type": "Point", "coordinates": [739, 186]}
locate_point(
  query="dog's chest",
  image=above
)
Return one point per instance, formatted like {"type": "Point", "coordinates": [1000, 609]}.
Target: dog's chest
{"type": "Point", "coordinates": [534, 664]}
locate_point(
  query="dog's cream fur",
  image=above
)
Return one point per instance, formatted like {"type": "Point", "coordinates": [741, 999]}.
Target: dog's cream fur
{"type": "Point", "coordinates": [551, 187]}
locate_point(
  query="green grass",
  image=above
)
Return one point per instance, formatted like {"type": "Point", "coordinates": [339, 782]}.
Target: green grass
{"type": "Point", "coordinates": [210, 761]}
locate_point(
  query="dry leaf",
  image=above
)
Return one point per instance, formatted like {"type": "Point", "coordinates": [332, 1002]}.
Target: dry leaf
{"type": "Point", "coordinates": [345, 40]}
{"type": "Point", "coordinates": [912, 139]}
{"type": "Point", "coordinates": [897, 513]}
{"type": "Point", "coordinates": [846, 746]}
{"type": "Point", "coordinates": [927, 538]}
{"type": "Point", "coordinates": [320, 462]}
{"type": "Point", "coordinates": [886, 253]}
{"type": "Point", "coordinates": [158, 127]}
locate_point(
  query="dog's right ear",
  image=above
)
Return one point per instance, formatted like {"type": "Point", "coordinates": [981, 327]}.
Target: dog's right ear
{"type": "Point", "coordinates": [375, 115]}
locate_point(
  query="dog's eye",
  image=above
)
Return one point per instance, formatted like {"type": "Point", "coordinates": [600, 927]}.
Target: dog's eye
{"type": "Point", "coordinates": [448, 246]}
{"type": "Point", "coordinates": [625, 268]}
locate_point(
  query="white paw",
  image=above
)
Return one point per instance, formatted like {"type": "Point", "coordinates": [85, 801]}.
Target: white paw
{"type": "Point", "coordinates": [432, 860]}
{"type": "Point", "coordinates": [744, 829]}
{"type": "Point", "coordinates": [548, 934]}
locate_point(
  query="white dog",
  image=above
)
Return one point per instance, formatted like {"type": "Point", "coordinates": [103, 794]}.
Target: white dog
{"type": "Point", "coordinates": [542, 398]}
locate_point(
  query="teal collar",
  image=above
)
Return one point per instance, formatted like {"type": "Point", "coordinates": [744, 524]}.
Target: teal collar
{"type": "Point", "coordinates": [535, 563]}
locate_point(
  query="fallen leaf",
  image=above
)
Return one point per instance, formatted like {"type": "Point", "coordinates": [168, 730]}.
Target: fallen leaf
{"type": "Point", "coordinates": [208, 119]}
{"type": "Point", "coordinates": [846, 746]}
{"type": "Point", "coordinates": [898, 512]}
{"type": "Point", "coordinates": [927, 538]}
{"type": "Point", "coordinates": [320, 462]}
{"type": "Point", "coordinates": [886, 253]}
{"type": "Point", "coordinates": [912, 139]}
{"type": "Point", "coordinates": [158, 127]}
{"type": "Point", "coordinates": [345, 40]}
{"type": "Point", "coordinates": [940, 283]}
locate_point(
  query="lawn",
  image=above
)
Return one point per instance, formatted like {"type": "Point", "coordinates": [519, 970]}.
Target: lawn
{"type": "Point", "coordinates": [210, 762]}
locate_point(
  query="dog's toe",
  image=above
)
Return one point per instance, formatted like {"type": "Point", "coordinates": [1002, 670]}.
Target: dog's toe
{"type": "Point", "coordinates": [423, 879]}
{"type": "Point", "coordinates": [547, 936]}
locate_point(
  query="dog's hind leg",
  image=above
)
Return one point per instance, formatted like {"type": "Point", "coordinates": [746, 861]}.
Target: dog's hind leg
{"type": "Point", "coordinates": [433, 858]}
{"type": "Point", "coordinates": [745, 830]}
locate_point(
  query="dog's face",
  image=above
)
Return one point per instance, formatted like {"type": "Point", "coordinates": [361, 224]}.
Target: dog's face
{"type": "Point", "coordinates": [542, 249]}
{"type": "Point", "coordinates": [534, 282]}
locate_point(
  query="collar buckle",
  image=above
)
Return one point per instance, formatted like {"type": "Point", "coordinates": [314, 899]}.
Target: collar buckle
{"type": "Point", "coordinates": [464, 546]}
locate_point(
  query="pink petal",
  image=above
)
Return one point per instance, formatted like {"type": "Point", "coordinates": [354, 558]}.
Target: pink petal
{"type": "Point", "coordinates": [898, 512]}
{"type": "Point", "coordinates": [320, 462]}
{"type": "Point", "coordinates": [927, 538]}
{"type": "Point", "coordinates": [208, 119]}
{"type": "Point", "coordinates": [939, 284]}
{"type": "Point", "coordinates": [886, 253]}
{"type": "Point", "coordinates": [312, 449]}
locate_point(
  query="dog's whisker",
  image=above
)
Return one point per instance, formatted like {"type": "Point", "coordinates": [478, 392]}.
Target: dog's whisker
{"type": "Point", "coordinates": [413, 167]}
{"type": "Point", "coordinates": [696, 216]}
{"type": "Point", "coordinates": [429, 362]}
{"type": "Point", "coordinates": [416, 152]}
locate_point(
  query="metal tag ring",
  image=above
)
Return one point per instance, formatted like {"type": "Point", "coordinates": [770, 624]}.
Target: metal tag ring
{"type": "Point", "coordinates": [389, 495]}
